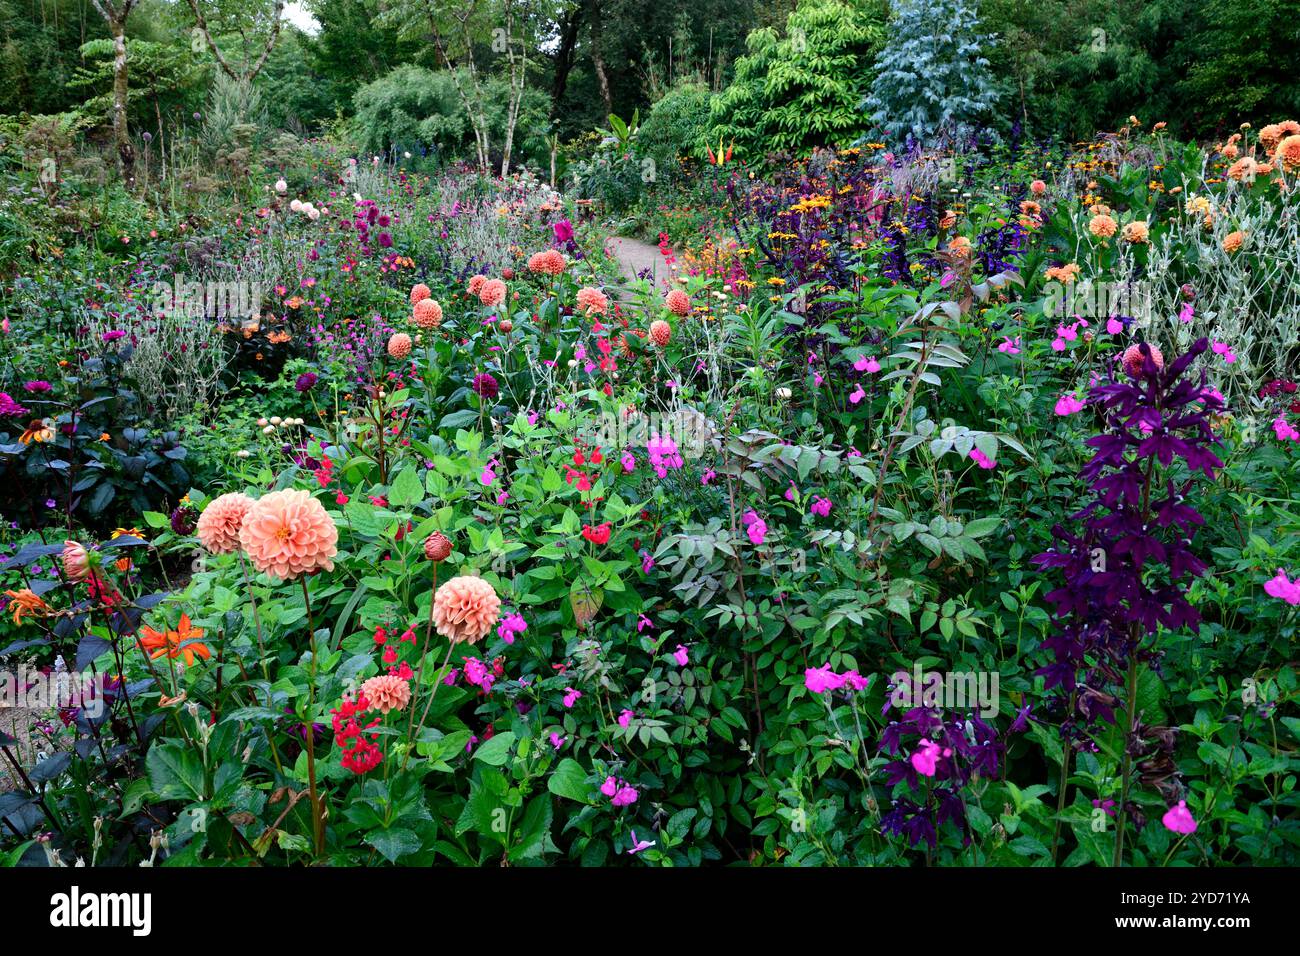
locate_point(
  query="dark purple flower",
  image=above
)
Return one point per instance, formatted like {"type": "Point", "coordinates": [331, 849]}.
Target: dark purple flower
{"type": "Point", "coordinates": [485, 386]}
{"type": "Point", "coordinates": [306, 382]}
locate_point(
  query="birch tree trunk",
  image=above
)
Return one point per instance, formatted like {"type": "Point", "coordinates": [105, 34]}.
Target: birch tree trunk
{"type": "Point", "coordinates": [116, 19]}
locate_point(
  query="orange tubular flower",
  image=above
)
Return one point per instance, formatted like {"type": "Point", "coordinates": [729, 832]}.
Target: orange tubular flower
{"type": "Point", "coordinates": [172, 644]}
{"type": "Point", "coordinates": [26, 603]}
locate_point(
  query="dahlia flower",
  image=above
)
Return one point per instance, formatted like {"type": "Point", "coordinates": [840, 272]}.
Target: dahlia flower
{"type": "Point", "coordinates": [492, 292]}
{"type": "Point", "coordinates": [427, 314]}
{"type": "Point", "coordinates": [219, 526]}
{"type": "Point", "coordinates": [465, 609]}
{"type": "Point", "coordinates": [660, 332]}
{"type": "Point", "coordinates": [399, 345]}
{"type": "Point", "coordinates": [592, 301]}
{"type": "Point", "coordinates": [288, 533]}
{"type": "Point", "coordinates": [387, 692]}
{"type": "Point", "coordinates": [419, 292]}
{"type": "Point", "coordinates": [678, 302]}
{"type": "Point", "coordinates": [551, 262]}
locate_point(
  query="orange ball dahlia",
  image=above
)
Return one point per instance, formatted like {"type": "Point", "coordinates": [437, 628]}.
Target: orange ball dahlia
{"type": "Point", "coordinates": [660, 332]}
{"type": "Point", "coordinates": [476, 283]}
{"type": "Point", "coordinates": [678, 302]}
{"type": "Point", "coordinates": [219, 526]}
{"type": "Point", "coordinates": [465, 609]}
{"type": "Point", "coordinates": [492, 292]}
{"type": "Point", "coordinates": [1136, 232]}
{"type": "Point", "coordinates": [419, 292]}
{"type": "Point", "coordinates": [428, 314]}
{"type": "Point", "coordinates": [288, 533]}
{"type": "Point", "coordinates": [399, 345]}
{"type": "Point", "coordinates": [551, 262]}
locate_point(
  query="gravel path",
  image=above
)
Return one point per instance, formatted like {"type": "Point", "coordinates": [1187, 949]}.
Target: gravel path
{"type": "Point", "coordinates": [635, 257]}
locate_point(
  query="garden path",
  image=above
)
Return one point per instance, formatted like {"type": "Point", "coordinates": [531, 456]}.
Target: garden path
{"type": "Point", "coordinates": [635, 257]}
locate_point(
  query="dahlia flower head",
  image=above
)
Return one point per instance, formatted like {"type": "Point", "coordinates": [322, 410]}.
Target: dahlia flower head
{"type": "Point", "coordinates": [387, 692]}
{"type": "Point", "coordinates": [465, 609]}
{"type": "Point", "coordinates": [427, 314]}
{"type": "Point", "coordinates": [660, 332]}
{"type": "Point", "coordinates": [492, 292]}
{"type": "Point", "coordinates": [592, 301]}
{"type": "Point", "coordinates": [678, 302]}
{"type": "Point", "coordinates": [419, 292]}
{"type": "Point", "coordinates": [399, 345]}
{"type": "Point", "coordinates": [485, 386]}
{"type": "Point", "coordinates": [475, 285]}
{"type": "Point", "coordinates": [219, 526]}
{"type": "Point", "coordinates": [551, 262]}
{"type": "Point", "coordinates": [288, 533]}
{"type": "Point", "coordinates": [1288, 153]}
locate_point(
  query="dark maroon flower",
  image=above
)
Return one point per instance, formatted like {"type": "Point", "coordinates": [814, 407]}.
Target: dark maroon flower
{"type": "Point", "coordinates": [485, 386]}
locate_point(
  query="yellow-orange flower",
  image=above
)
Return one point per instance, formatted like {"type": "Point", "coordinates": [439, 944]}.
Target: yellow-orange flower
{"type": "Point", "coordinates": [1288, 153]}
{"type": "Point", "coordinates": [1135, 231]}
{"type": "Point", "coordinates": [288, 533]}
{"type": "Point", "coordinates": [1233, 241]}
{"type": "Point", "coordinates": [182, 642]}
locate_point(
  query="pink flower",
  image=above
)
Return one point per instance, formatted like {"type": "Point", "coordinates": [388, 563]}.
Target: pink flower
{"type": "Point", "coordinates": [981, 459]}
{"type": "Point", "coordinates": [1186, 312]}
{"type": "Point", "coordinates": [487, 475]}
{"type": "Point", "coordinates": [1221, 348]}
{"type": "Point", "coordinates": [76, 561]}
{"type": "Point", "coordinates": [1114, 326]}
{"type": "Point", "coordinates": [821, 507]}
{"type": "Point", "coordinates": [821, 679]}
{"type": "Point", "coordinates": [625, 718]}
{"type": "Point", "coordinates": [1284, 430]}
{"type": "Point", "coordinates": [1179, 819]}
{"type": "Point", "coordinates": [755, 527]}
{"type": "Point", "coordinates": [288, 533]}
{"type": "Point", "coordinates": [1280, 587]}
{"type": "Point", "coordinates": [557, 741]}
{"type": "Point", "coordinates": [571, 696]}
{"type": "Point", "coordinates": [1067, 404]}
{"type": "Point", "coordinates": [857, 394]}
{"type": "Point", "coordinates": [511, 626]}
{"type": "Point", "coordinates": [639, 845]}
{"type": "Point", "coordinates": [681, 656]}
{"type": "Point", "coordinates": [628, 461]}
{"type": "Point", "coordinates": [866, 364]}
{"type": "Point", "coordinates": [926, 758]}
{"type": "Point", "coordinates": [789, 493]}
{"type": "Point", "coordinates": [1009, 345]}
{"type": "Point", "coordinates": [619, 793]}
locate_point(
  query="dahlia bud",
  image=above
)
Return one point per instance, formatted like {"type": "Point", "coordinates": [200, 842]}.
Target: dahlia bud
{"type": "Point", "coordinates": [76, 561]}
{"type": "Point", "coordinates": [437, 547]}
{"type": "Point", "coordinates": [506, 326]}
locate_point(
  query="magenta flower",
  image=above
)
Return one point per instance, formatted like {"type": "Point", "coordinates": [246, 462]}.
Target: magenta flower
{"type": "Point", "coordinates": [821, 507]}
{"type": "Point", "coordinates": [625, 717]}
{"type": "Point", "coordinates": [981, 459]}
{"type": "Point", "coordinates": [1067, 404]}
{"type": "Point", "coordinates": [1280, 587]}
{"type": "Point", "coordinates": [926, 758]}
{"type": "Point", "coordinates": [1179, 819]}
{"type": "Point", "coordinates": [511, 626]}
{"type": "Point", "coordinates": [755, 527]}
{"type": "Point", "coordinates": [571, 696]}
{"type": "Point", "coordinates": [681, 656]}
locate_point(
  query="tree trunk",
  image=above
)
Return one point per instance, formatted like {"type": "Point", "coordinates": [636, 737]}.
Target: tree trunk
{"type": "Point", "coordinates": [121, 135]}
{"type": "Point", "coordinates": [598, 59]}
{"type": "Point", "coordinates": [564, 57]}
